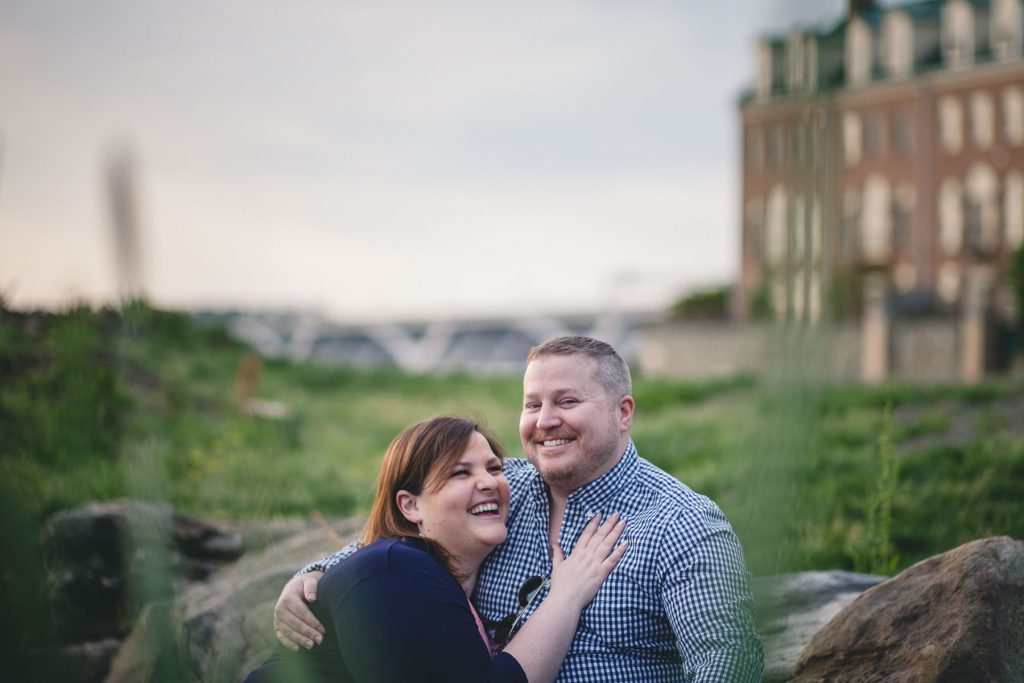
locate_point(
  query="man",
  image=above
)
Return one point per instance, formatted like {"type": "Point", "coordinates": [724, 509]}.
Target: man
{"type": "Point", "coordinates": [678, 605]}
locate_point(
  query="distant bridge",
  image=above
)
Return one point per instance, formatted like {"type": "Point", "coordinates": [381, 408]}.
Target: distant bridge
{"type": "Point", "coordinates": [490, 346]}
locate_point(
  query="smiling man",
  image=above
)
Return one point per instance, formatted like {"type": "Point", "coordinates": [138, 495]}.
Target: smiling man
{"type": "Point", "coordinates": [678, 605]}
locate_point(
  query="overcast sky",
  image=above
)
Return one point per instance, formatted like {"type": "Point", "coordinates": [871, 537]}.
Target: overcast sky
{"type": "Point", "coordinates": [394, 158]}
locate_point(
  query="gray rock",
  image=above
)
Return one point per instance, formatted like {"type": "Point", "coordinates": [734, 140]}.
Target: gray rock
{"type": "Point", "coordinates": [791, 608]}
{"type": "Point", "coordinates": [87, 662]}
{"type": "Point", "coordinates": [958, 616]}
{"type": "Point", "coordinates": [106, 559]}
{"type": "Point", "coordinates": [221, 628]}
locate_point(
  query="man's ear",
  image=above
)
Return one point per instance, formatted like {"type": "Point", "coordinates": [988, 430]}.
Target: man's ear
{"type": "Point", "coordinates": [409, 506]}
{"type": "Point", "coordinates": [626, 409]}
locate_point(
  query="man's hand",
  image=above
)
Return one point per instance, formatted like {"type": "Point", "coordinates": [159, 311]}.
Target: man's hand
{"type": "Point", "coordinates": [294, 623]}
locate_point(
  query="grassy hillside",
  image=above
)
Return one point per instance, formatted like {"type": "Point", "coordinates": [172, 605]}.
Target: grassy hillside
{"type": "Point", "coordinates": [101, 404]}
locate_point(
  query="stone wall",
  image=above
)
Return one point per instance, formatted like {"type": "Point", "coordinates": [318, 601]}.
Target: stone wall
{"type": "Point", "coordinates": [926, 350]}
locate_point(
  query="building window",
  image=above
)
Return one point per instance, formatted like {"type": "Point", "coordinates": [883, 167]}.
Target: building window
{"type": "Point", "coordinates": [799, 283]}
{"type": "Point", "coordinates": [982, 119]}
{"type": "Point", "coordinates": [902, 210]}
{"type": "Point", "coordinates": [876, 232]}
{"type": "Point", "coordinates": [949, 282]}
{"type": "Point", "coordinates": [765, 69]}
{"type": "Point", "coordinates": [798, 142]}
{"type": "Point", "coordinates": [874, 136]}
{"type": "Point", "coordinates": [902, 133]}
{"type": "Point", "coordinates": [777, 226]}
{"type": "Point", "coordinates": [1013, 210]}
{"type": "Point", "coordinates": [780, 298]}
{"type": "Point", "coordinates": [797, 228]}
{"type": "Point", "coordinates": [851, 221]}
{"type": "Point", "coordinates": [951, 217]}
{"type": "Point", "coordinates": [951, 124]}
{"type": "Point", "coordinates": [851, 139]}
{"type": "Point", "coordinates": [1006, 29]}
{"type": "Point", "coordinates": [816, 230]}
{"type": "Point", "coordinates": [981, 208]}
{"type": "Point", "coordinates": [897, 44]}
{"type": "Point", "coordinates": [1013, 115]}
{"type": "Point", "coordinates": [814, 304]}
{"type": "Point", "coordinates": [905, 277]}
{"type": "Point", "coordinates": [755, 151]}
{"type": "Point", "coordinates": [755, 230]}
{"type": "Point", "coordinates": [972, 224]}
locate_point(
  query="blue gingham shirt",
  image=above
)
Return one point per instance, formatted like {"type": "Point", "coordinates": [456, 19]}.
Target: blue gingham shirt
{"type": "Point", "coordinates": [677, 607]}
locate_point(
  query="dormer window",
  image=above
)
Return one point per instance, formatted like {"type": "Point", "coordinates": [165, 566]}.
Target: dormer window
{"type": "Point", "coordinates": [858, 52]}
{"type": "Point", "coordinates": [763, 87]}
{"type": "Point", "coordinates": [1006, 29]}
{"type": "Point", "coordinates": [795, 62]}
{"type": "Point", "coordinates": [957, 34]}
{"type": "Point", "coordinates": [897, 44]}
{"type": "Point", "coordinates": [771, 68]}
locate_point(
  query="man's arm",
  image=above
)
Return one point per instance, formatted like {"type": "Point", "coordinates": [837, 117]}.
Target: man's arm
{"type": "Point", "coordinates": [411, 623]}
{"type": "Point", "coordinates": [705, 590]}
{"type": "Point", "coordinates": [294, 623]}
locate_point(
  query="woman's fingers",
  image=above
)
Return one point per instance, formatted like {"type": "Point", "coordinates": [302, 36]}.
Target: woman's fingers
{"type": "Point", "coordinates": [557, 556]}
{"type": "Point", "coordinates": [613, 558]}
{"type": "Point", "coordinates": [612, 535]}
{"type": "Point", "coordinates": [589, 530]}
{"type": "Point", "coordinates": [597, 529]}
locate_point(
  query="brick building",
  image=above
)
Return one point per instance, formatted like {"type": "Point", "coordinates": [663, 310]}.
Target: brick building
{"type": "Point", "coordinates": [883, 159]}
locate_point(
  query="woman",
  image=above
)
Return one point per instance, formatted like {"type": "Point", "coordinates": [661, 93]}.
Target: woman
{"type": "Point", "coordinates": [398, 609]}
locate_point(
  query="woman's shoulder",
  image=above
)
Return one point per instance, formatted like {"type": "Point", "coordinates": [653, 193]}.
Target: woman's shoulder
{"type": "Point", "coordinates": [391, 555]}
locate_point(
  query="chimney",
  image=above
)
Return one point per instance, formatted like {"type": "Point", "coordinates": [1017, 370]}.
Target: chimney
{"type": "Point", "coordinates": [855, 7]}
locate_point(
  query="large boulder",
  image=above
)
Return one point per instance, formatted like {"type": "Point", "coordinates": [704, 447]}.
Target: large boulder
{"type": "Point", "coordinates": [221, 628]}
{"type": "Point", "coordinates": [791, 608]}
{"type": "Point", "coordinates": [106, 560]}
{"type": "Point", "coordinates": [958, 616]}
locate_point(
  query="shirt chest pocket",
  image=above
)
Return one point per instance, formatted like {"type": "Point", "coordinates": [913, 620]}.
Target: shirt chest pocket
{"type": "Point", "coordinates": [626, 613]}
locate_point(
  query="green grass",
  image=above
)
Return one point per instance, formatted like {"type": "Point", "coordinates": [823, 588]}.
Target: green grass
{"type": "Point", "coordinates": [102, 404]}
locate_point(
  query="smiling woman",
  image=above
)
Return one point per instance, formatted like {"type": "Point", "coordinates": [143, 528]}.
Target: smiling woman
{"type": "Point", "coordinates": [398, 609]}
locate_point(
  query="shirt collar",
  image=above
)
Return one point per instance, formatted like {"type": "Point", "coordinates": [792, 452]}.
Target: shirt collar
{"type": "Point", "coordinates": [601, 492]}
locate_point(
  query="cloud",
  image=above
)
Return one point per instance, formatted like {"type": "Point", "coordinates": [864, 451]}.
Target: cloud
{"type": "Point", "coordinates": [383, 156]}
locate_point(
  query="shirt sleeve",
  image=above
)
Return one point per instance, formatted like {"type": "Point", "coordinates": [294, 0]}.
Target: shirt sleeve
{"type": "Point", "coordinates": [406, 625]}
{"type": "Point", "coordinates": [325, 563]}
{"type": "Point", "coordinates": [705, 591]}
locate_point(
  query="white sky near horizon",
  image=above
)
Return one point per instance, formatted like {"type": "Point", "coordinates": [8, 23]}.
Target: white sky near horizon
{"type": "Point", "coordinates": [380, 160]}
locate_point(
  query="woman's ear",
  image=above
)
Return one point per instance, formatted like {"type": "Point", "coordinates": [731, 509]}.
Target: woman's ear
{"type": "Point", "coordinates": [409, 506]}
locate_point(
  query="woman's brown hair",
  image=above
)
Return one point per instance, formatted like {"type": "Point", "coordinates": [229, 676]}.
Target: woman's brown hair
{"type": "Point", "coordinates": [419, 459]}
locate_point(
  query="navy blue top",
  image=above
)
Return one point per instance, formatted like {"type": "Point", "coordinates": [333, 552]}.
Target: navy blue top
{"type": "Point", "coordinates": [393, 614]}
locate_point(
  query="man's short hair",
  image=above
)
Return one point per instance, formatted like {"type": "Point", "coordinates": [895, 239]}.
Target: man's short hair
{"type": "Point", "coordinates": [612, 371]}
